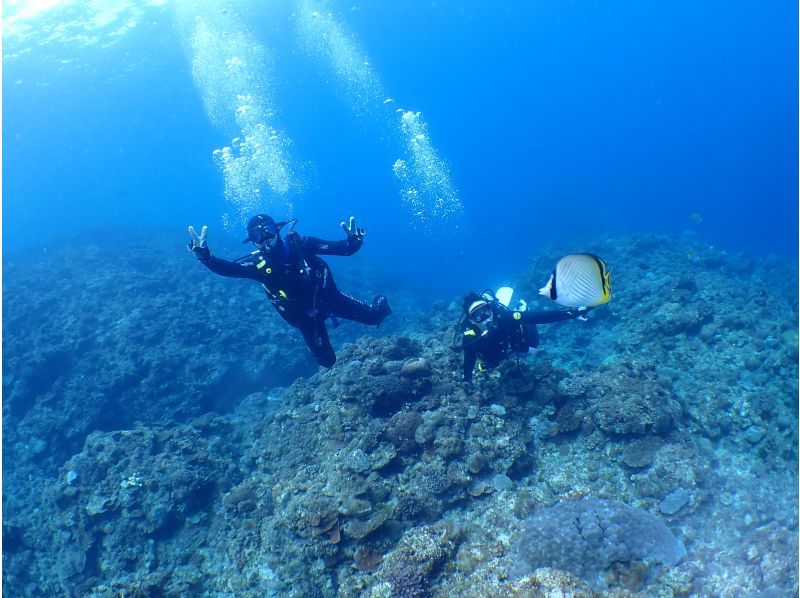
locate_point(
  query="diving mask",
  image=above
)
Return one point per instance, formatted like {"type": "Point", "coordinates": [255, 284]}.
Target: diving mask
{"type": "Point", "coordinates": [263, 233]}
{"type": "Point", "coordinates": [261, 229]}
{"type": "Point", "coordinates": [480, 312]}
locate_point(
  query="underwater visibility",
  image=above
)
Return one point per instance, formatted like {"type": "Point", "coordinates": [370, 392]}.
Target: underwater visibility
{"type": "Point", "coordinates": [430, 298]}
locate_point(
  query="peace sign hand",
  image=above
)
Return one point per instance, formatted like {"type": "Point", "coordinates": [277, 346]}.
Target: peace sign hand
{"type": "Point", "coordinates": [352, 230]}
{"type": "Point", "coordinates": [197, 244]}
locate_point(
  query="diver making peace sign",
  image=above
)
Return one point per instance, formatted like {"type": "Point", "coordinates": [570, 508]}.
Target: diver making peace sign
{"type": "Point", "coordinates": [298, 282]}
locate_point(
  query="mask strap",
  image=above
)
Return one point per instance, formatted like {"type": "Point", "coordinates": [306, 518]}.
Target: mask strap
{"type": "Point", "coordinates": [291, 222]}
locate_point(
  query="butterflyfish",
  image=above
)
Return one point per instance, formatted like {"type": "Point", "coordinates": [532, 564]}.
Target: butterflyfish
{"type": "Point", "coordinates": [579, 280]}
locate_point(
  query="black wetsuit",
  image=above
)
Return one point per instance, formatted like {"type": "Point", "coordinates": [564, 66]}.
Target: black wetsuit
{"type": "Point", "coordinates": [510, 331]}
{"type": "Point", "coordinates": [301, 287]}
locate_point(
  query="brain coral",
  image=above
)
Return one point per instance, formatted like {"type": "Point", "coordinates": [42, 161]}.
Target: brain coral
{"type": "Point", "coordinates": [584, 537]}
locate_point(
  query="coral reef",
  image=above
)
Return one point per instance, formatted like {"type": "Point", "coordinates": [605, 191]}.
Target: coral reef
{"type": "Point", "coordinates": [156, 442]}
{"type": "Point", "coordinates": [587, 536]}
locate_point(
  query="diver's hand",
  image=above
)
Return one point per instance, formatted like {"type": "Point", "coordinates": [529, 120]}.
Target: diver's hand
{"type": "Point", "coordinates": [580, 313]}
{"type": "Point", "coordinates": [197, 244]}
{"type": "Point", "coordinates": [352, 230]}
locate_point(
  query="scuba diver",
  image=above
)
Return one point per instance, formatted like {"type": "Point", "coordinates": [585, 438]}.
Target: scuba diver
{"type": "Point", "coordinates": [492, 331]}
{"type": "Point", "coordinates": [298, 282]}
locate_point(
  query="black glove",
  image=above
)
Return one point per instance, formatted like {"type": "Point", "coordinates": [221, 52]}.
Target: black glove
{"type": "Point", "coordinates": [353, 233]}
{"type": "Point", "coordinates": [197, 244]}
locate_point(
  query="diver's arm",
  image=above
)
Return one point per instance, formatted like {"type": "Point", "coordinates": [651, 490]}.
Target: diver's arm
{"type": "Point", "coordinates": [548, 317]}
{"type": "Point", "coordinates": [312, 245]}
{"type": "Point", "coordinates": [470, 354]}
{"type": "Point", "coordinates": [244, 269]}
{"type": "Point", "coordinates": [354, 241]}
{"type": "Point", "coordinates": [198, 245]}
{"type": "Point", "coordinates": [470, 357]}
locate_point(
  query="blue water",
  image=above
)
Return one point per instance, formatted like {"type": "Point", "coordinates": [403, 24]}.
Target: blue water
{"type": "Point", "coordinates": [559, 121]}
{"type": "Point", "coordinates": [176, 426]}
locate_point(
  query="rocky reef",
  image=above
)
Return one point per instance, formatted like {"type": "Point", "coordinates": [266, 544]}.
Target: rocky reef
{"type": "Point", "coordinates": [149, 450]}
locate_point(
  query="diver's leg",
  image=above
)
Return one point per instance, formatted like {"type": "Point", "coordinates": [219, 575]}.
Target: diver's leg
{"type": "Point", "coordinates": [344, 306]}
{"type": "Point", "coordinates": [316, 336]}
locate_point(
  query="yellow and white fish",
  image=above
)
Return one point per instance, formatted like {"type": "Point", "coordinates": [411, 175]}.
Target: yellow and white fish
{"type": "Point", "coordinates": [579, 280]}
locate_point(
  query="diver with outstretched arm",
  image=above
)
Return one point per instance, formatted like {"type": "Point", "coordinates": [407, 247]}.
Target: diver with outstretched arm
{"type": "Point", "coordinates": [492, 331]}
{"type": "Point", "coordinates": [298, 282]}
